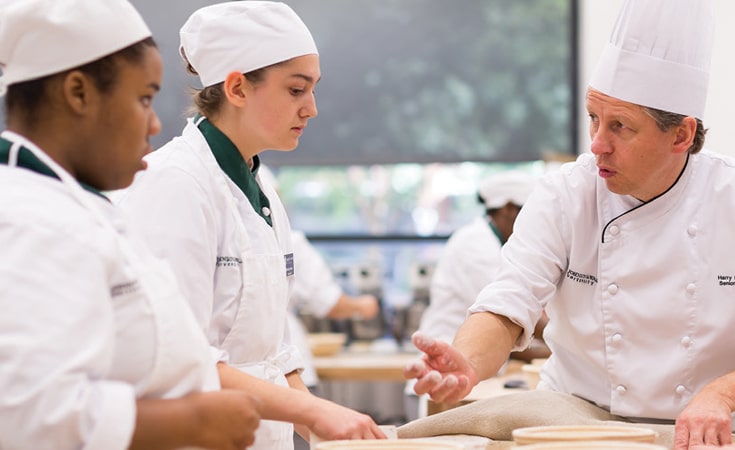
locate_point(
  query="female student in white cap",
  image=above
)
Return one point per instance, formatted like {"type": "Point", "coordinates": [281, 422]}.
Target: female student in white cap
{"type": "Point", "coordinates": [203, 206]}
{"type": "Point", "coordinates": [625, 248]}
{"type": "Point", "coordinates": [98, 349]}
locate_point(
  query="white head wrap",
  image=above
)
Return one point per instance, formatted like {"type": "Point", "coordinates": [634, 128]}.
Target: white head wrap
{"type": "Point", "coordinates": [44, 37]}
{"type": "Point", "coordinates": [498, 189]}
{"type": "Point", "coordinates": [242, 36]}
{"type": "Point", "coordinates": [659, 55]}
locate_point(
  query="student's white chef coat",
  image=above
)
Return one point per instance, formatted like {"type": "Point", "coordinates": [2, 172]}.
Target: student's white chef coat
{"type": "Point", "coordinates": [90, 319]}
{"type": "Point", "coordinates": [467, 264]}
{"type": "Point", "coordinates": [231, 264]}
{"type": "Point", "coordinates": [641, 297]}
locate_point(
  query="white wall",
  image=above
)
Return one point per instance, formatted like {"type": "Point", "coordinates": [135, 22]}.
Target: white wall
{"type": "Point", "coordinates": [597, 18]}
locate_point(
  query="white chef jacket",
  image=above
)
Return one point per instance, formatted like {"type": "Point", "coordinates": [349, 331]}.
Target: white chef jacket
{"type": "Point", "coordinates": [468, 263]}
{"type": "Point", "coordinates": [193, 215]}
{"type": "Point", "coordinates": [86, 327]}
{"type": "Point", "coordinates": [640, 297]}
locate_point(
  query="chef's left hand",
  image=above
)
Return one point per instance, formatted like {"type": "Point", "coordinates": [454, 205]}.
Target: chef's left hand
{"type": "Point", "coordinates": [707, 418]}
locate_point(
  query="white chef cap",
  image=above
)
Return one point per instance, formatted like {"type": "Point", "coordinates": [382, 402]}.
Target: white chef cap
{"type": "Point", "coordinates": [659, 55]}
{"type": "Point", "coordinates": [242, 36]}
{"type": "Point", "coordinates": [45, 37]}
{"type": "Point", "coordinates": [498, 189]}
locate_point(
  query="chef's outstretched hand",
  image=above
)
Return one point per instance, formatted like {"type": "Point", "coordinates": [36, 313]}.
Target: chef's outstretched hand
{"type": "Point", "coordinates": [442, 372]}
{"type": "Point", "coordinates": [706, 420]}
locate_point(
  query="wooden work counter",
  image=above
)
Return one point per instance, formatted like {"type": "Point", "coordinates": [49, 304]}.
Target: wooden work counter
{"type": "Point", "coordinates": [350, 365]}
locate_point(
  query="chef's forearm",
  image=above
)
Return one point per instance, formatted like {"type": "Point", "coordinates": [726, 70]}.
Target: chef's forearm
{"type": "Point", "coordinates": [724, 388]}
{"type": "Point", "coordinates": [486, 340]}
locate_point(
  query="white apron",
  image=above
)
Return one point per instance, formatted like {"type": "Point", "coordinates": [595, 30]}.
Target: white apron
{"type": "Point", "coordinates": [254, 341]}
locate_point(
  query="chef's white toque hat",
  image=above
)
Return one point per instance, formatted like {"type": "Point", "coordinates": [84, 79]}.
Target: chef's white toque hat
{"type": "Point", "coordinates": [659, 55]}
{"type": "Point", "coordinates": [498, 189]}
{"type": "Point", "coordinates": [44, 37]}
{"type": "Point", "coordinates": [242, 36]}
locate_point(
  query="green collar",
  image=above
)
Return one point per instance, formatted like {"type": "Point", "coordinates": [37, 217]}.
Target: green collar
{"type": "Point", "coordinates": [232, 163]}
{"type": "Point", "coordinates": [27, 160]}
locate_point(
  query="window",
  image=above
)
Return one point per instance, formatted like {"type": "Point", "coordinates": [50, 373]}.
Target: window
{"type": "Point", "coordinates": [427, 81]}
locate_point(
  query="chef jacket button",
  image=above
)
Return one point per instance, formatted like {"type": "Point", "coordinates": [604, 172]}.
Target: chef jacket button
{"type": "Point", "coordinates": [686, 341]}
{"type": "Point", "coordinates": [266, 211]}
{"type": "Point", "coordinates": [614, 230]}
{"type": "Point", "coordinates": [621, 389]}
{"type": "Point", "coordinates": [680, 389]}
{"type": "Point", "coordinates": [692, 230]}
{"type": "Point", "coordinates": [691, 288]}
{"type": "Point", "coordinates": [617, 338]}
{"type": "Point", "coordinates": [612, 289]}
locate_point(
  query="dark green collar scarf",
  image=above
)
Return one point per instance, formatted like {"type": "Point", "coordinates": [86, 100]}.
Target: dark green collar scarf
{"type": "Point", "coordinates": [27, 160]}
{"type": "Point", "coordinates": [232, 163]}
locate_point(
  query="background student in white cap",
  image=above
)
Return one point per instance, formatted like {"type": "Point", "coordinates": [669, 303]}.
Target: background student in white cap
{"type": "Point", "coordinates": [625, 248]}
{"type": "Point", "coordinates": [203, 207]}
{"type": "Point", "coordinates": [98, 349]}
{"type": "Point", "coordinates": [469, 261]}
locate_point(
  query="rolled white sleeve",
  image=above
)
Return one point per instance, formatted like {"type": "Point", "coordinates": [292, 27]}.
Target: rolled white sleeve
{"type": "Point", "coordinates": [57, 342]}
{"type": "Point", "coordinates": [289, 357]}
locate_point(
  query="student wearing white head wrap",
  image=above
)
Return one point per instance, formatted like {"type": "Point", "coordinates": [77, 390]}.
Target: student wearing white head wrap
{"type": "Point", "coordinates": [623, 248]}
{"type": "Point", "coordinates": [203, 206]}
{"type": "Point", "coordinates": [98, 348]}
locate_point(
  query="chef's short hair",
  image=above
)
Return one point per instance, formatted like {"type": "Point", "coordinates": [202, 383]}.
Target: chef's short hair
{"type": "Point", "coordinates": [666, 120]}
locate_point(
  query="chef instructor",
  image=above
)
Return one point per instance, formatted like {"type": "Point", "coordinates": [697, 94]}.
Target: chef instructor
{"type": "Point", "coordinates": [625, 248]}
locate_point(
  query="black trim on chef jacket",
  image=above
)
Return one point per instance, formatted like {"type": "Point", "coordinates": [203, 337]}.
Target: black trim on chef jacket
{"type": "Point", "coordinates": [27, 160]}
{"type": "Point", "coordinates": [234, 166]}
{"type": "Point", "coordinates": [686, 163]}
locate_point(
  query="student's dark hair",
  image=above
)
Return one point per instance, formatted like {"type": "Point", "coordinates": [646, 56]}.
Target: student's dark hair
{"type": "Point", "coordinates": [27, 97]}
{"type": "Point", "coordinates": [667, 120]}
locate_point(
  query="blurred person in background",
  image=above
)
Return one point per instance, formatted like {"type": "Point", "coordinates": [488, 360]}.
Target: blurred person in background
{"type": "Point", "coordinates": [317, 292]}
